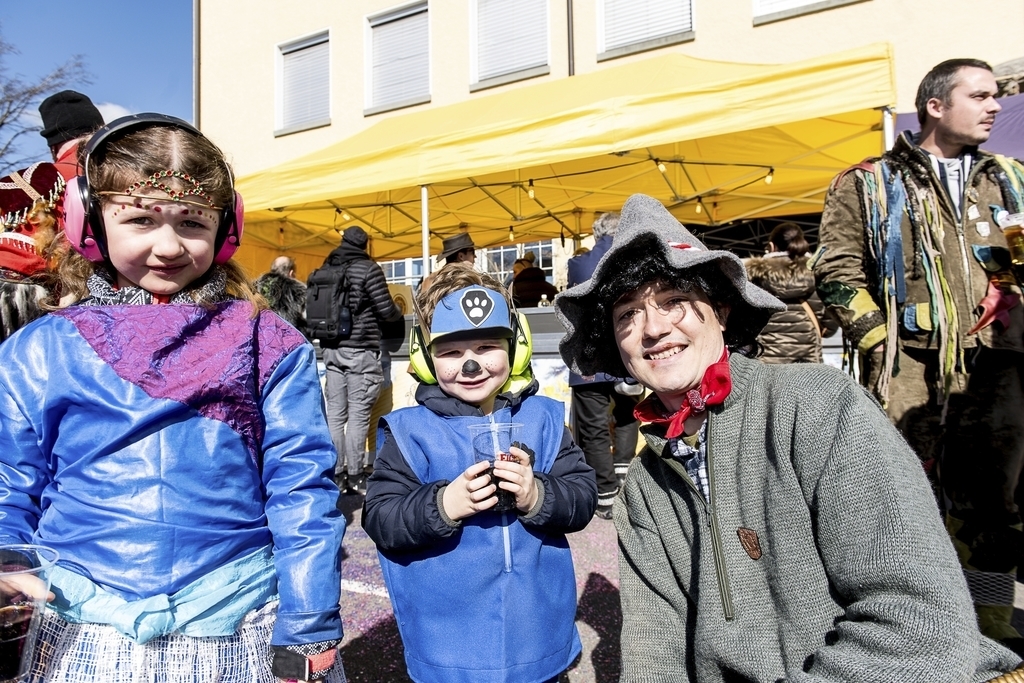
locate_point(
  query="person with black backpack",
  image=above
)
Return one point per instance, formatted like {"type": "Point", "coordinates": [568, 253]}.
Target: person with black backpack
{"type": "Point", "coordinates": [346, 301]}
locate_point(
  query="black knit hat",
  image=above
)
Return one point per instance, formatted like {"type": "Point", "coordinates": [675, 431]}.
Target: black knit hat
{"type": "Point", "coordinates": [68, 115]}
{"type": "Point", "coordinates": [355, 236]}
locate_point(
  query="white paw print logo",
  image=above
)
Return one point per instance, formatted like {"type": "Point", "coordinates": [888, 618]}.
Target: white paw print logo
{"type": "Point", "coordinates": [476, 306]}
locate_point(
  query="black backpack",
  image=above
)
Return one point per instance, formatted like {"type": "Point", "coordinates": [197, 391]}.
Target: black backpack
{"type": "Point", "coordinates": [328, 316]}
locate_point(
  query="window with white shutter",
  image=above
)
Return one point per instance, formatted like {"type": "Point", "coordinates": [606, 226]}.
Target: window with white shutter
{"type": "Point", "coordinates": [399, 60]}
{"type": "Point", "coordinates": [629, 26]}
{"type": "Point", "coordinates": [766, 11]}
{"type": "Point", "coordinates": [304, 84]}
{"type": "Point", "coordinates": [509, 40]}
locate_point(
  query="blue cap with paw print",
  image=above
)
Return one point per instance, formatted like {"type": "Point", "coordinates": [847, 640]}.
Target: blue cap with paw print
{"type": "Point", "coordinates": [471, 313]}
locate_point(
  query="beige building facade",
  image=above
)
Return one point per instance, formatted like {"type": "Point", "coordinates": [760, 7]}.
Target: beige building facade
{"type": "Point", "coordinates": [276, 80]}
{"type": "Point", "coordinates": [242, 44]}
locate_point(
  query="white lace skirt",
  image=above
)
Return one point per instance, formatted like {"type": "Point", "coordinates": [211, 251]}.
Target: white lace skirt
{"type": "Point", "coordinates": [93, 653]}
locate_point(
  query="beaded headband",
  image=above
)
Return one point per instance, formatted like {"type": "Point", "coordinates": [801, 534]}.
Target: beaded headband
{"type": "Point", "coordinates": [154, 181]}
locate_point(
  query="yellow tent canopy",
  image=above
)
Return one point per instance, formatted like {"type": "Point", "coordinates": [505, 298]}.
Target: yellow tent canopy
{"type": "Point", "coordinates": [715, 141]}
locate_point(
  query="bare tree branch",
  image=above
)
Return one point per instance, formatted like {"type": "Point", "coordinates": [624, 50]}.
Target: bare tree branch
{"type": "Point", "coordinates": [19, 96]}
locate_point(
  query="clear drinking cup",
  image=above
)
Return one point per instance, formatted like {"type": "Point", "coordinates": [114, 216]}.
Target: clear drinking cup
{"type": "Point", "coordinates": [24, 586]}
{"type": "Point", "coordinates": [1013, 230]}
{"type": "Point", "coordinates": [491, 441]}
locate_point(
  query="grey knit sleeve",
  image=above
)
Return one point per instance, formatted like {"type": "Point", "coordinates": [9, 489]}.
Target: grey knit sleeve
{"type": "Point", "coordinates": [908, 614]}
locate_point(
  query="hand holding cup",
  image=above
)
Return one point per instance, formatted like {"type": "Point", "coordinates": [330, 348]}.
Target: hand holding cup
{"type": "Point", "coordinates": [493, 444]}
{"type": "Point", "coordinates": [470, 493]}
{"type": "Point", "coordinates": [24, 591]}
{"type": "Point", "coordinates": [514, 474]}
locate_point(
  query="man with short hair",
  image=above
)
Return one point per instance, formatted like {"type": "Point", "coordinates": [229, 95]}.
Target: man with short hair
{"type": "Point", "coordinates": [285, 294]}
{"type": "Point", "coordinates": [915, 265]}
{"type": "Point", "coordinates": [354, 374]}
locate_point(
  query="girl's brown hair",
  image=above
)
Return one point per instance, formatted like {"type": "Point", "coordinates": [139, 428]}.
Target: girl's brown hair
{"type": "Point", "coordinates": [137, 155]}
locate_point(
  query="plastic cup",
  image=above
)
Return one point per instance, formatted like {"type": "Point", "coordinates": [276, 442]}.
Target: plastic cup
{"type": "Point", "coordinates": [1015, 241]}
{"type": "Point", "coordinates": [491, 441]}
{"type": "Point", "coordinates": [1013, 231]}
{"type": "Point", "coordinates": [24, 585]}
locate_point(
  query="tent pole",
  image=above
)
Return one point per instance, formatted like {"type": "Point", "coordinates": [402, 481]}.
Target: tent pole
{"type": "Point", "coordinates": [569, 37]}
{"type": "Point", "coordinates": [888, 128]}
{"type": "Point", "coordinates": [425, 227]}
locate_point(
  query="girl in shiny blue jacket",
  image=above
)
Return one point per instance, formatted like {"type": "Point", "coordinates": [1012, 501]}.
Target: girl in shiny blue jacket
{"type": "Point", "coordinates": [166, 435]}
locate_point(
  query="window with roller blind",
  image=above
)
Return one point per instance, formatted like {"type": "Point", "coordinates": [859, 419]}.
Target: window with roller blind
{"type": "Point", "coordinates": [398, 63]}
{"type": "Point", "coordinates": [766, 11]}
{"type": "Point", "coordinates": [626, 27]}
{"type": "Point", "coordinates": [304, 84]}
{"type": "Point", "coordinates": [508, 41]}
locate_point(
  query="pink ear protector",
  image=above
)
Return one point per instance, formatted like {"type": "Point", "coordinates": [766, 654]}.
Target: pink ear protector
{"type": "Point", "coordinates": [83, 220]}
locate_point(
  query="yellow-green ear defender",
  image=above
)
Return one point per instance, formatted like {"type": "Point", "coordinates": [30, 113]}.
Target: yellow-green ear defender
{"type": "Point", "coordinates": [419, 357]}
{"type": "Point", "coordinates": [520, 347]}
{"type": "Point", "coordinates": [520, 350]}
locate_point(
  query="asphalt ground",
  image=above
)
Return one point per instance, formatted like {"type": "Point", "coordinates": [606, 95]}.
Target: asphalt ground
{"type": "Point", "coordinates": [372, 648]}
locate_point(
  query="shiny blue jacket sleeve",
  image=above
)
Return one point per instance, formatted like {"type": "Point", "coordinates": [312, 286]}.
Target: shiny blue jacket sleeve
{"type": "Point", "coordinates": [23, 469]}
{"type": "Point", "coordinates": [301, 502]}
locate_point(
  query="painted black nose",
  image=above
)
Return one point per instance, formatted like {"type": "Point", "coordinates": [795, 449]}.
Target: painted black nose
{"type": "Point", "coordinates": [470, 367]}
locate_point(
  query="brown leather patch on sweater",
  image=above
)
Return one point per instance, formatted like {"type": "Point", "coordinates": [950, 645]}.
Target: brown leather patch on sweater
{"type": "Point", "coordinates": [748, 539]}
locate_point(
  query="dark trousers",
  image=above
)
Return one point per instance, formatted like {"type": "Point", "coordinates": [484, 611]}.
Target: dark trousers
{"type": "Point", "coordinates": [980, 455]}
{"type": "Point", "coordinates": [592, 404]}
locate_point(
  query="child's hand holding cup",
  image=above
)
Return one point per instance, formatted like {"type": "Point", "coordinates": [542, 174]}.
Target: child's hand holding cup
{"type": "Point", "coordinates": [493, 441]}
{"type": "Point", "coordinates": [24, 592]}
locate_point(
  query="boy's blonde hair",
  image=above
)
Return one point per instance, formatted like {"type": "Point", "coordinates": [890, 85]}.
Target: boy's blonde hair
{"type": "Point", "coordinates": [135, 156]}
{"type": "Point", "coordinates": [451, 278]}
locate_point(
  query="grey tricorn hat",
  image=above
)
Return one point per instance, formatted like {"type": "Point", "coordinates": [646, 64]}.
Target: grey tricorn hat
{"type": "Point", "coordinates": [647, 234]}
{"type": "Point", "coordinates": [455, 244]}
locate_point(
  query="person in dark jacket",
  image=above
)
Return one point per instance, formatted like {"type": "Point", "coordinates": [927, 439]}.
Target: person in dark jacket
{"type": "Point", "coordinates": [354, 374]}
{"type": "Point", "coordinates": [530, 285]}
{"type": "Point", "coordinates": [478, 594]}
{"type": "Point", "coordinates": [793, 335]}
{"type": "Point", "coordinates": [285, 294]}
{"type": "Point", "coordinates": [596, 398]}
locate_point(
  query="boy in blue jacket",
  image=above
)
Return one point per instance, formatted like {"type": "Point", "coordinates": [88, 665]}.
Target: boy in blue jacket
{"type": "Point", "coordinates": [479, 596]}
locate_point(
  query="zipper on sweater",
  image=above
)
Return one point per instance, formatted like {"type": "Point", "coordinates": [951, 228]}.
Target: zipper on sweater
{"type": "Point", "coordinates": [721, 573]}
{"type": "Point", "coordinates": [716, 538]}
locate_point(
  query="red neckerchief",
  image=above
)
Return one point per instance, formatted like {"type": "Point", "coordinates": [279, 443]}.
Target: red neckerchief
{"type": "Point", "coordinates": [714, 387]}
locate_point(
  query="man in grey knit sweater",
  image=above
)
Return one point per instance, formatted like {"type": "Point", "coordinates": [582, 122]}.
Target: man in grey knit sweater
{"type": "Point", "coordinates": [776, 527]}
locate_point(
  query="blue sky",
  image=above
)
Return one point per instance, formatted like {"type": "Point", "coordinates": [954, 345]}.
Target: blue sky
{"type": "Point", "coordinates": [138, 55]}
